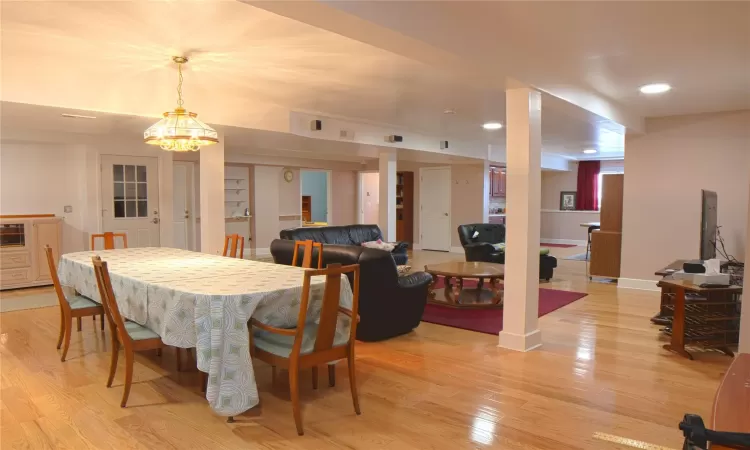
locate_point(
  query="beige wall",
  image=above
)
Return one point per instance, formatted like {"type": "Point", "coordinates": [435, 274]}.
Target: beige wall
{"type": "Point", "coordinates": [344, 197]}
{"type": "Point", "coordinates": [666, 169]}
{"type": "Point", "coordinates": [370, 197]}
{"type": "Point", "coordinates": [554, 182]}
{"type": "Point", "coordinates": [566, 225]}
{"type": "Point", "coordinates": [467, 198]}
{"type": "Point", "coordinates": [467, 195]}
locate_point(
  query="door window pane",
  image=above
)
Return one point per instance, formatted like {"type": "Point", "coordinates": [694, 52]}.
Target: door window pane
{"type": "Point", "coordinates": [142, 191]}
{"type": "Point", "coordinates": [119, 191]}
{"type": "Point", "coordinates": [130, 191]}
{"type": "Point", "coordinates": [130, 209]}
{"type": "Point", "coordinates": [129, 173]}
{"type": "Point", "coordinates": [119, 209]}
{"type": "Point", "coordinates": [117, 172]}
{"type": "Point", "coordinates": [142, 208]}
{"type": "Point", "coordinates": [141, 172]}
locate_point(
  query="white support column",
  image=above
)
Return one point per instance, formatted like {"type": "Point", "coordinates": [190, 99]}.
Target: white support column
{"type": "Point", "coordinates": [212, 197]}
{"type": "Point", "coordinates": [523, 146]}
{"type": "Point", "coordinates": [387, 188]}
{"type": "Point", "coordinates": [744, 346]}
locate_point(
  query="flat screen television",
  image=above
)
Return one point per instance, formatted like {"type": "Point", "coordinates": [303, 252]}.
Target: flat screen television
{"type": "Point", "coordinates": [709, 221]}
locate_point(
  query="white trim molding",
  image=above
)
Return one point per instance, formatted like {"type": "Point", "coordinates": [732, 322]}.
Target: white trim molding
{"type": "Point", "coordinates": [634, 283]}
{"type": "Point", "coordinates": [416, 246]}
{"type": "Point", "coordinates": [563, 241]}
{"type": "Point", "coordinates": [519, 342]}
{"type": "Point", "coordinates": [262, 251]}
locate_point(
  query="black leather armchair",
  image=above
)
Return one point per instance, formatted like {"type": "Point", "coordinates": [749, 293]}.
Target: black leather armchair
{"type": "Point", "coordinates": [389, 305]}
{"type": "Point", "coordinates": [477, 240]}
{"type": "Point", "coordinates": [345, 235]}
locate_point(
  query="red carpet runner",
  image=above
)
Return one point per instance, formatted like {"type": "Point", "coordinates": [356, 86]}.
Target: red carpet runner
{"type": "Point", "coordinates": [490, 321]}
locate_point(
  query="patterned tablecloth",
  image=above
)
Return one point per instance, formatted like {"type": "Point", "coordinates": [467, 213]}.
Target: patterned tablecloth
{"type": "Point", "coordinates": [204, 301]}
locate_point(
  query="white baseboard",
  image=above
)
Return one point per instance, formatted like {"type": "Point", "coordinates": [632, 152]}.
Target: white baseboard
{"type": "Point", "coordinates": [520, 342]}
{"type": "Point", "coordinates": [416, 246]}
{"type": "Point", "coordinates": [457, 250]}
{"type": "Point", "coordinates": [634, 283]}
{"type": "Point", "coordinates": [262, 251]}
{"type": "Point", "coordinates": [563, 241]}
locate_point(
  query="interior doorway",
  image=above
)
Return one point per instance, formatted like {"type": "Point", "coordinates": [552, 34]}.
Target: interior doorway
{"type": "Point", "coordinates": [369, 197]}
{"type": "Point", "coordinates": [130, 198]}
{"type": "Point", "coordinates": [315, 187]}
{"type": "Point", "coordinates": [435, 208]}
{"type": "Point", "coordinates": [183, 205]}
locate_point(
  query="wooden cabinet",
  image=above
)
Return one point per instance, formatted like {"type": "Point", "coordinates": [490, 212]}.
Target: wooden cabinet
{"type": "Point", "coordinates": [23, 262]}
{"type": "Point", "coordinates": [497, 182]}
{"type": "Point", "coordinates": [606, 243]}
{"type": "Point", "coordinates": [405, 206]}
{"type": "Point", "coordinates": [306, 208]}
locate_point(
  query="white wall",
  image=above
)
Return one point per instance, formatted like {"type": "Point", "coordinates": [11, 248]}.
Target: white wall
{"type": "Point", "coordinates": [38, 178]}
{"type": "Point", "coordinates": [665, 169]}
{"type": "Point", "coordinates": [43, 179]}
{"type": "Point", "coordinates": [370, 200]}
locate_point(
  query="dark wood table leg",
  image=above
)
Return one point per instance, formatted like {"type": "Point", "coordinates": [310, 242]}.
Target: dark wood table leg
{"type": "Point", "coordinates": [497, 299]}
{"type": "Point", "coordinates": [431, 290]}
{"type": "Point", "coordinates": [677, 343]}
{"type": "Point", "coordinates": [480, 285]}
{"type": "Point", "coordinates": [449, 290]}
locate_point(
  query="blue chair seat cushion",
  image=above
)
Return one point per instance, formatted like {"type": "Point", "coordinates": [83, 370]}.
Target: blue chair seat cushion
{"type": "Point", "coordinates": [139, 332]}
{"type": "Point", "coordinates": [80, 302]}
{"type": "Point", "coordinates": [281, 345]}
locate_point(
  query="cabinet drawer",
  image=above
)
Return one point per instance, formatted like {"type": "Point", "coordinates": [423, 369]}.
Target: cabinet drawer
{"type": "Point", "coordinates": [9, 277]}
{"type": "Point", "coordinates": [11, 260]}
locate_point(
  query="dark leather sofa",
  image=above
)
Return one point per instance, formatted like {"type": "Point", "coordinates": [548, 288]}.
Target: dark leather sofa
{"type": "Point", "coordinates": [345, 235]}
{"type": "Point", "coordinates": [389, 305]}
{"type": "Point", "coordinates": [480, 248]}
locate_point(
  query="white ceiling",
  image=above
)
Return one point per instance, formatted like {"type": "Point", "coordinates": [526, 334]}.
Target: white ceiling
{"type": "Point", "coordinates": [606, 49]}
{"type": "Point", "coordinates": [250, 68]}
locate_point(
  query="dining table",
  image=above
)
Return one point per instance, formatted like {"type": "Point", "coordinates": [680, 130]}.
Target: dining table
{"type": "Point", "coordinates": [203, 301]}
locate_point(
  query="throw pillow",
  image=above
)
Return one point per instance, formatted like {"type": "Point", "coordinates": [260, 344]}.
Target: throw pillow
{"type": "Point", "coordinates": [403, 270]}
{"type": "Point", "coordinates": [380, 245]}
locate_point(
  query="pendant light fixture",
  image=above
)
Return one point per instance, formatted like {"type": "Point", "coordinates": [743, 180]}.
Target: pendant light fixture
{"type": "Point", "coordinates": [180, 130]}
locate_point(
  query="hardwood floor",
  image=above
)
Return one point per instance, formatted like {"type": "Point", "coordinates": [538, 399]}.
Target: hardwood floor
{"type": "Point", "coordinates": [601, 370]}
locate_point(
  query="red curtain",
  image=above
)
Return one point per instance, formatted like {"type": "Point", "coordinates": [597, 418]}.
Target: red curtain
{"type": "Point", "coordinates": [588, 186]}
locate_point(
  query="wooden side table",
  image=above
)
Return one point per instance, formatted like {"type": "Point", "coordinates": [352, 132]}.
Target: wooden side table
{"type": "Point", "coordinates": [710, 319]}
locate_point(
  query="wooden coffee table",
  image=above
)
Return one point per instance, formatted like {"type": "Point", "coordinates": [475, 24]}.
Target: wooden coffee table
{"type": "Point", "coordinates": [454, 294]}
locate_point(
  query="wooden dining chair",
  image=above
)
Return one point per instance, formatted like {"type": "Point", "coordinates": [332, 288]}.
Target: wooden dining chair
{"type": "Point", "coordinates": [132, 336]}
{"type": "Point", "coordinates": [237, 242]}
{"type": "Point", "coordinates": [109, 239]}
{"type": "Point", "coordinates": [71, 306]}
{"type": "Point", "coordinates": [311, 343]}
{"type": "Point", "coordinates": [307, 253]}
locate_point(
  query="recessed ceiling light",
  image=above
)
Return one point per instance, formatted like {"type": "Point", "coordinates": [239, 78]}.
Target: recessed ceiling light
{"type": "Point", "coordinates": [492, 126]}
{"type": "Point", "coordinates": [77, 116]}
{"type": "Point", "coordinates": [449, 111]}
{"type": "Point", "coordinates": [589, 151]}
{"type": "Point", "coordinates": [656, 88]}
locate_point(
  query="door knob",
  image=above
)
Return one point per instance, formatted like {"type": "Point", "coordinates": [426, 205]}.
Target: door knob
{"type": "Point", "coordinates": [155, 220]}
{"type": "Point", "coordinates": [446, 214]}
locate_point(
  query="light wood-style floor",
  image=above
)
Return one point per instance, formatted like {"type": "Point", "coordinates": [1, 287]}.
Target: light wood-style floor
{"type": "Point", "coordinates": [601, 370]}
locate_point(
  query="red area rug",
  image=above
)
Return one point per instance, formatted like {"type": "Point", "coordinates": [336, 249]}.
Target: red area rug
{"type": "Point", "coordinates": [490, 321]}
{"type": "Point", "coordinates": [559, 245]}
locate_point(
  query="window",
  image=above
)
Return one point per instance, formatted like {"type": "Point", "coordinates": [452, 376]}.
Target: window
{"type": "Point", "coordinates": [130, 191]}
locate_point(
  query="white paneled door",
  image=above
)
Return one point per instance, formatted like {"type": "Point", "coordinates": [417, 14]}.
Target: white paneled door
{"type": "Point", "coordinates": [183, 205]}
{"type": "Point", "coordinates": [130, 199]}
{"type": "Point", "coordinates": [435, 208]}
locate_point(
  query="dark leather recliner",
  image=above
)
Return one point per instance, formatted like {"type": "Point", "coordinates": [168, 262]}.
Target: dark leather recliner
{"type": "Point", "coordinates": [345, 235]}
{"type": "Point", "coordinates": [479, 247]}
{"type": "Point", "coordinates": [389, 305]}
